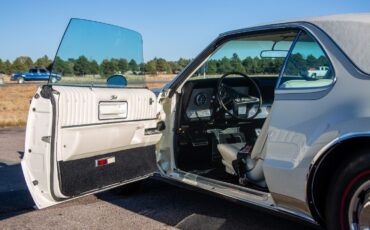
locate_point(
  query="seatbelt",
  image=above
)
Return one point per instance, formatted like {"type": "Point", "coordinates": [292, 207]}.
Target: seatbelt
{"type": "Point", "coordinates": [239, 164]}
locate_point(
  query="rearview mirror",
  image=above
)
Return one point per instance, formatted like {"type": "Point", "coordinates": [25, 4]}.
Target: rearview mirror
{"type": "Point", "coordinates": [117, 80]}
{"type": "Point", "coordinates": [273, 53]}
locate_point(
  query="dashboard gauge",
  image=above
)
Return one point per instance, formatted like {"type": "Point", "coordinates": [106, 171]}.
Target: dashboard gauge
{"type": "Point", "coordinates": [200, 99]}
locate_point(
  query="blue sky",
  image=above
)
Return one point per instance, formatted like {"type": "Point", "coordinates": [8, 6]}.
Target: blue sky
{"type": "Point", "coordinates": [170, 28]}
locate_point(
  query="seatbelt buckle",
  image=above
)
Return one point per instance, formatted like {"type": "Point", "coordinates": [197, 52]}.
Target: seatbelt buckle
{"type": "Point", "coordinates": [246, 149]}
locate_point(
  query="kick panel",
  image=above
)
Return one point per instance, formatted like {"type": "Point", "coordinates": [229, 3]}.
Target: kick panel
{"type": "Point", "coordinates": [84, 175]}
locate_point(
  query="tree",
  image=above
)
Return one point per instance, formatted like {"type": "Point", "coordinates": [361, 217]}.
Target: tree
{"type": "Point", "coordinates": [311, 61]}
{"type": "Point", "coordinates": [81, 66]}
{"type": "Point", "coordinates": [322, 61]}
{"type": "Point", "coordinates": [44, 61]}
{"type": "Point", "coordinates": [249, 65]}
{"type": "Point", "coordinates": [22, 64]}
{"type": "Point", "coordinates": [278, 62]}
{"type": "Point", "coordinates": [93, 67]}
{"type": "Point", "coordinates": [224, 66]}
{"type": "Point", "coordinates": [236, 63]}
{"type": "Point", "coordinates": [142, 68]}
{"type": "Point", "coordinates": [173, 66]}
{"type": "Point", "coordinates": [132, 65]}
{"type": "Point", "coordinates": [161, 65]}
{"type": "Point", "coordinates": [7, 65]}
{"type": "Point", "coordinates": [1, 66]}
{"type": "Point", "coordinates": [108, 67]}
{"type": "Point", "coordinates": [63, 67]}
{"type": "Point", "coordinates": [182, 63]}
{"type": "Point", "coordinates": [295, 65]}
{"type": "Point", "coordinates": [123, 65]}
{"type": "Point", "coordinates": [259, 65]}
{"type": "Point", "coordinates": [212, 67]}
{"type": "Point", "coordinates": [151, 67]}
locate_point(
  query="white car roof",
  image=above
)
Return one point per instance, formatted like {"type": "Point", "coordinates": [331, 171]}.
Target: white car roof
{"type": "Point", "coordinates": [350, 31]}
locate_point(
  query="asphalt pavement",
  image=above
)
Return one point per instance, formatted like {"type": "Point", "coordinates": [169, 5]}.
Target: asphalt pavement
{"type": "Point", "coordinates": [157, 205]}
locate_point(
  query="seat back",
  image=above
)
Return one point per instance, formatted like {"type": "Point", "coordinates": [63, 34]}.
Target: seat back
{"type": "Point", "coordinates": [259, 150]}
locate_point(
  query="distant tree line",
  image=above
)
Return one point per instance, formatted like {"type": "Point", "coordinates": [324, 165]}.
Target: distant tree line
{"type": "Point", "coordinates": [298, 64]}
{"type": "Point", "coordinates": [23, 63]}
{"type": "Point", "coordinates": [249, 65]}
{"type": "Point", "coordinates": [83, 66]}
{"type": "Point", "coordinates": [255, 65]}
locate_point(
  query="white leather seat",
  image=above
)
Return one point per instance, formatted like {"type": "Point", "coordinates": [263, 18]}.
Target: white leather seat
{"type": "Point", "coordinates": [229, 154]}
{"type": "Point", "coordinates": [254, 172]}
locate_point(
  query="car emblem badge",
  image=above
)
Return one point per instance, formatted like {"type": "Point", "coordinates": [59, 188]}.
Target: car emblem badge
{"type": "Point", "coordinates": [113, 97]}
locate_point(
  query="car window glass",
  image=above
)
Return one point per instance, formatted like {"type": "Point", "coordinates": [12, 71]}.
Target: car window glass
{"type": "Point", "coordinates": [307, 66]}
{"type": "Point", "coordinates": [33, 70]}
{"type": "Point", "coordinates": [257, 56]}
{"type": "Point", "coordinates": [42, 71]}
{"type": "Point", "coordinates": [90, 52]}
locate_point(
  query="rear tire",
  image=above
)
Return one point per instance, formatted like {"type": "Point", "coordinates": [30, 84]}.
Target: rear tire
{"type": "Point", "coordinates": [348, 200]}
{"type": "Point", "coordinates": [20, 80]}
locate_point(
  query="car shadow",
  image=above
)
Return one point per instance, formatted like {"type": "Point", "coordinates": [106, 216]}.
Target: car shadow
{"type": "Point", "coordinates": [15, 198]}
{"type": "Point", "coordinates": [187, 209]}
{"type": "Point", "coordinates": [156, 200]}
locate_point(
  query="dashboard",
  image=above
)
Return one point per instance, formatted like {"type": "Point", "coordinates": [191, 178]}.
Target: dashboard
{"type": "Point", "coordinates": [199, 102]}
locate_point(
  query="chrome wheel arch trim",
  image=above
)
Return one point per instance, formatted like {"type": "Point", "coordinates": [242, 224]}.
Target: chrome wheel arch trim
{"type": "Point", "coordinates": [315, 164]}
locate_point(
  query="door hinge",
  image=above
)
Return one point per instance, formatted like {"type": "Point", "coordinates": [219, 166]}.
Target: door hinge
{"type": "Point", "coordinates": [164, 94]}
{"type": "Point", "coordinates": [46, 139]}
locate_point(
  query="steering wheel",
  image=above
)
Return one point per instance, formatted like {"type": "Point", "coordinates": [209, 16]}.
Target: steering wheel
{"type": "Point", "coordinates": [232, 100]}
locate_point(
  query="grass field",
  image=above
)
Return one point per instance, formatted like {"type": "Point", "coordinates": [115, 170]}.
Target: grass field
{"type": "Point", "coordinates": [15, 99]}
{"type": "Point", "coordinates": [14, 104]}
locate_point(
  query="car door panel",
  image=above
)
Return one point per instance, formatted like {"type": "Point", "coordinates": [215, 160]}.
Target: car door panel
{"type": "Point", "coordinates": [66, 139]}
{"type": "Point", "coordinates": [83, 134]}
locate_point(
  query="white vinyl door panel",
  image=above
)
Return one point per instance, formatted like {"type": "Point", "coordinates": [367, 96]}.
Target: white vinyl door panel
{"type": "Point", "coordinates": [80, 105]}
{"type": "Point", "coordinates": [95, 121]}
{"type": "Point", "coordinates": [87, 141]}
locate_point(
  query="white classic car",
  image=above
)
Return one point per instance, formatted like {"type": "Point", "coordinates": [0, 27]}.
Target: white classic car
{"type": "Point", "coordinates": [240, 121]}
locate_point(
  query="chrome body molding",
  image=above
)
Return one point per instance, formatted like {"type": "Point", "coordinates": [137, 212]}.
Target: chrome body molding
{"type": "Point", "coordinates": [337, 140]}
{"type": "Point", "coordinates": [244, 195]}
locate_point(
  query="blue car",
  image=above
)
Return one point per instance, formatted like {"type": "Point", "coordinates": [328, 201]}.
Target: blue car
{"type": "Point", "coordinates": [35, 74]}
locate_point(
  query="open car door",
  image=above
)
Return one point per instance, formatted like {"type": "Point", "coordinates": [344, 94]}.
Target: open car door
{"type": "Point", "coordinates": [85, 133]}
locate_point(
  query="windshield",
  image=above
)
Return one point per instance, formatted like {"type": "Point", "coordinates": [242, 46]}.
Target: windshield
{"type": "Point", "coordinates": [90, 52]}
{"type": "Point", "coordinates": [256, 56]}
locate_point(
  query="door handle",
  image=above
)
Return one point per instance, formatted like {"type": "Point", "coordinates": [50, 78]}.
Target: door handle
{"type": "Point", "coordinates": [113, 110]}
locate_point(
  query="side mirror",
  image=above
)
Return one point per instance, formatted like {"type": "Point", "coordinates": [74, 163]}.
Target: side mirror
{"type": "Point", "coordinates": [117, 80]}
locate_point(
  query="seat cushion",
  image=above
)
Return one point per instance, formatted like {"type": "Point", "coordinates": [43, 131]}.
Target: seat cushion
{"type": "Point", "coordinates": [229, 154]}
